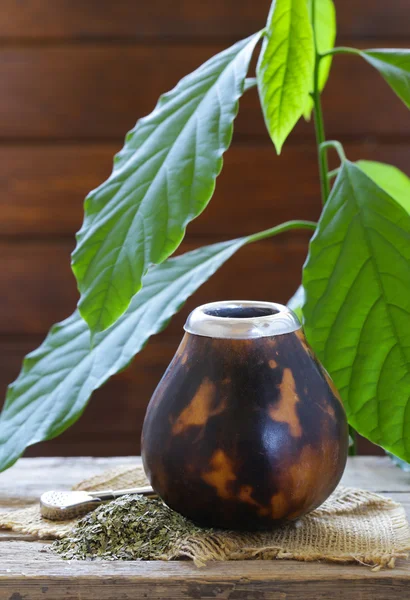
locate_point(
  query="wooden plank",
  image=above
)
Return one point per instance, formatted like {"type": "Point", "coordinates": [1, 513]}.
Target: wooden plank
{"type": "Point", "coordinates": [96, 19]}
{"type": "Point", "coordinates": [41, 288]}
{"type": "Point", "coordinates": [26, 571]}
{"type": "Point", "coordinates": [29, 573]}
{"type": "Point", "coordinates": [29, 477]}
{"type": "Point", "coordinates": [101, 443]}
{"type": "Point", "coordinates": [79, 20]}
{"type": "Point", "coordinates": [369, 18]}
{"type": "Point", "coordinates": [364, 447]}
{"type": "Point", "coordinates": [377, 474]}
{"type": "Point", "coordinates": [37, 286]}
{"type": "Point", "coordinates": [94, 92]}
{"type": "Point", "coordinates": [42, 187]}
{"type": "Point", "coordinates": [7, 536]}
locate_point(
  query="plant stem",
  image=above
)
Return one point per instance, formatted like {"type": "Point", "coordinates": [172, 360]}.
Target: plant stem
{"type": "Point", "coordinates": [318, 117]}
{"type": "Point", "coordinates": [322, 145]}
{"type": "Point", "coordinates": [341, 50]}
{"type": "Point", "coordinates": [336, 146]}
{"type": "Point", "coordinates": [287, 226]}
{"type": "Point", "coordinates": [333, 173]}
{"type": "Point", "coordinates": [353, 436]}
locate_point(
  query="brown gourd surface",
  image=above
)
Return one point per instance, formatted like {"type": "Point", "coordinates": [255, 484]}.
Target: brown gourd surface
{"type": "Point", "coordinates": [244, 433]}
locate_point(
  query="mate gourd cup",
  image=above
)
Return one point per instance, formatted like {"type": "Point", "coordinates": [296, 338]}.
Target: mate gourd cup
{"type": "Point", "coordinates": [246, 429]}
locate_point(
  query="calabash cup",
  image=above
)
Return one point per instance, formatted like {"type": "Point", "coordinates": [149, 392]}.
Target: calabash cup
{"type": "Point", "coordinates": [245, 429]}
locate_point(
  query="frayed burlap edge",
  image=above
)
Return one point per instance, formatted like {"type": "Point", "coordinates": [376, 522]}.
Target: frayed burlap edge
{"type": "Point", "coordinates": [222, 546]}
{"type": "Point", "coordinates": [351, 526]}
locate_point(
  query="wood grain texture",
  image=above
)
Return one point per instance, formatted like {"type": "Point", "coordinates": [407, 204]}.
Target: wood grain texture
{"type": "Point", "coordinates": [94, 92]}
{"type": "Point", "coordinates": [26, 571]}
{"type": "Point", "coordinates": [42, 187]}
{"type": "Point", "coordinates": [41, 288]}
{"type": "Point", "coordinates": [22, 483]}
{"type": "Point", "coordinates": [35, 575]}
{"type": "Point", "coordinates": [133, 19]}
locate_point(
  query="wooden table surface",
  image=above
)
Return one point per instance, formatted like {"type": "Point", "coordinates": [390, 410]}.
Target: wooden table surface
{"type": "Point", "coordinates": [27, 573]}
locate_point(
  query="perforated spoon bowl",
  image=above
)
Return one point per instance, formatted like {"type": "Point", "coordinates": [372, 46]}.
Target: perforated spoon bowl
{"type": "Point", "coordinates": [62, 506]}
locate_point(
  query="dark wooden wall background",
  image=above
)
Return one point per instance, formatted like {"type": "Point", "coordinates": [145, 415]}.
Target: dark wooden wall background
{"type": "Point", "coordinates": [75, 76]}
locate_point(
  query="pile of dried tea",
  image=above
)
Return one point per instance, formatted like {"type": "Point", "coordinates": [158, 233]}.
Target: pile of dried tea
{"type": "Point", "coordinates": [129, 528]}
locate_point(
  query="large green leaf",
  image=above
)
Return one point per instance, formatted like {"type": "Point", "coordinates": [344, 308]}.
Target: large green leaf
{"type": "Point", "coordinates": [285, 67]}
{"type": "Point", "coordinates": [59, 377]}
{"type": "Point", "coordinates": [357, 309]}
{"type": "Point", "coordinates": [390, 179]}
{"type": "Point", "coordinates": [325, 27]}
{"type": "Point", "coordinates": [297, 301]}
{"type": "Point", "coordinates": [162, 179]}
{"type": "Point", "coordinates": [394, 66]}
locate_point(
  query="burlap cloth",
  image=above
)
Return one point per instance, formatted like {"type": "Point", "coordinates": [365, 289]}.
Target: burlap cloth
{"type": "Point", "coordinates": [351, 526]}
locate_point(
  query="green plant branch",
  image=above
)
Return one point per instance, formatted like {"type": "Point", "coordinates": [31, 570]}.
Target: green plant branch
{"type": "Point", "coordinates": [353, 444]}
{"type": "Point", "coordinates": [287, 226]}
{"type": "Point", "coordinates": [318, 117]}
{"type": "Point", "coordinates": [332, 174]}
{"type": "Point", "coordinates": [341, 50]}
{"type": "Point", "coordinates": [336, 146]}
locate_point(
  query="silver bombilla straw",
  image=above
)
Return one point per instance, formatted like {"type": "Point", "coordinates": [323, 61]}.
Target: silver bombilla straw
{"type": "Point", "coordinates": [63, 506]}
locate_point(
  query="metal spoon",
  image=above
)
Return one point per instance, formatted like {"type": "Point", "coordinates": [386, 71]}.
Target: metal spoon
{"type": "Point", "coordinates": [62, 506]}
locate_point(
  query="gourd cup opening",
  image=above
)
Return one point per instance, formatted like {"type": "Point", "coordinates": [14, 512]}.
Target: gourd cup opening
{"type": "Point", "coordinates": [240, 312]}
{"type": "Point", "coordinates": [241, 319]}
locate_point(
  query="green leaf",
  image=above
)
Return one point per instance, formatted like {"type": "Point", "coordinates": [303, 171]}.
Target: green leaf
{"type": "Point", "coordinates": [285, 67]}
{"type": "Point", "coordinates": [357, 309]}
{"type": "Point", "coordinates": [59, 377]}
{"type": "Point", "coordinates": [162, 179]}
{"type": "Point", "coordinates": [390, 179]}
{"type": "Point", "coordinates": [297, 301]}
{"type": "Point", "coordinates": [250, 82]}
{"type": "Point", "coordinates": [325, 27]}
{"type": "Point", "coordinates": [394, 66]}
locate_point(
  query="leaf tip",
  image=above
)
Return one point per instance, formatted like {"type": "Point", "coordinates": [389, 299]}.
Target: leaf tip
{"type": "Point", "coordinates": [278, 145]}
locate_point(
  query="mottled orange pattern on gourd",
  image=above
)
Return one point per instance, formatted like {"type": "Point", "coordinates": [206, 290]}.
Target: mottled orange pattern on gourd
{"type": "Point", "coordinates": [285, 410]}
{"type": "Point", "coordinates": [221, 474]}
{"type": "Point", "coordinates": [197, 413]}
